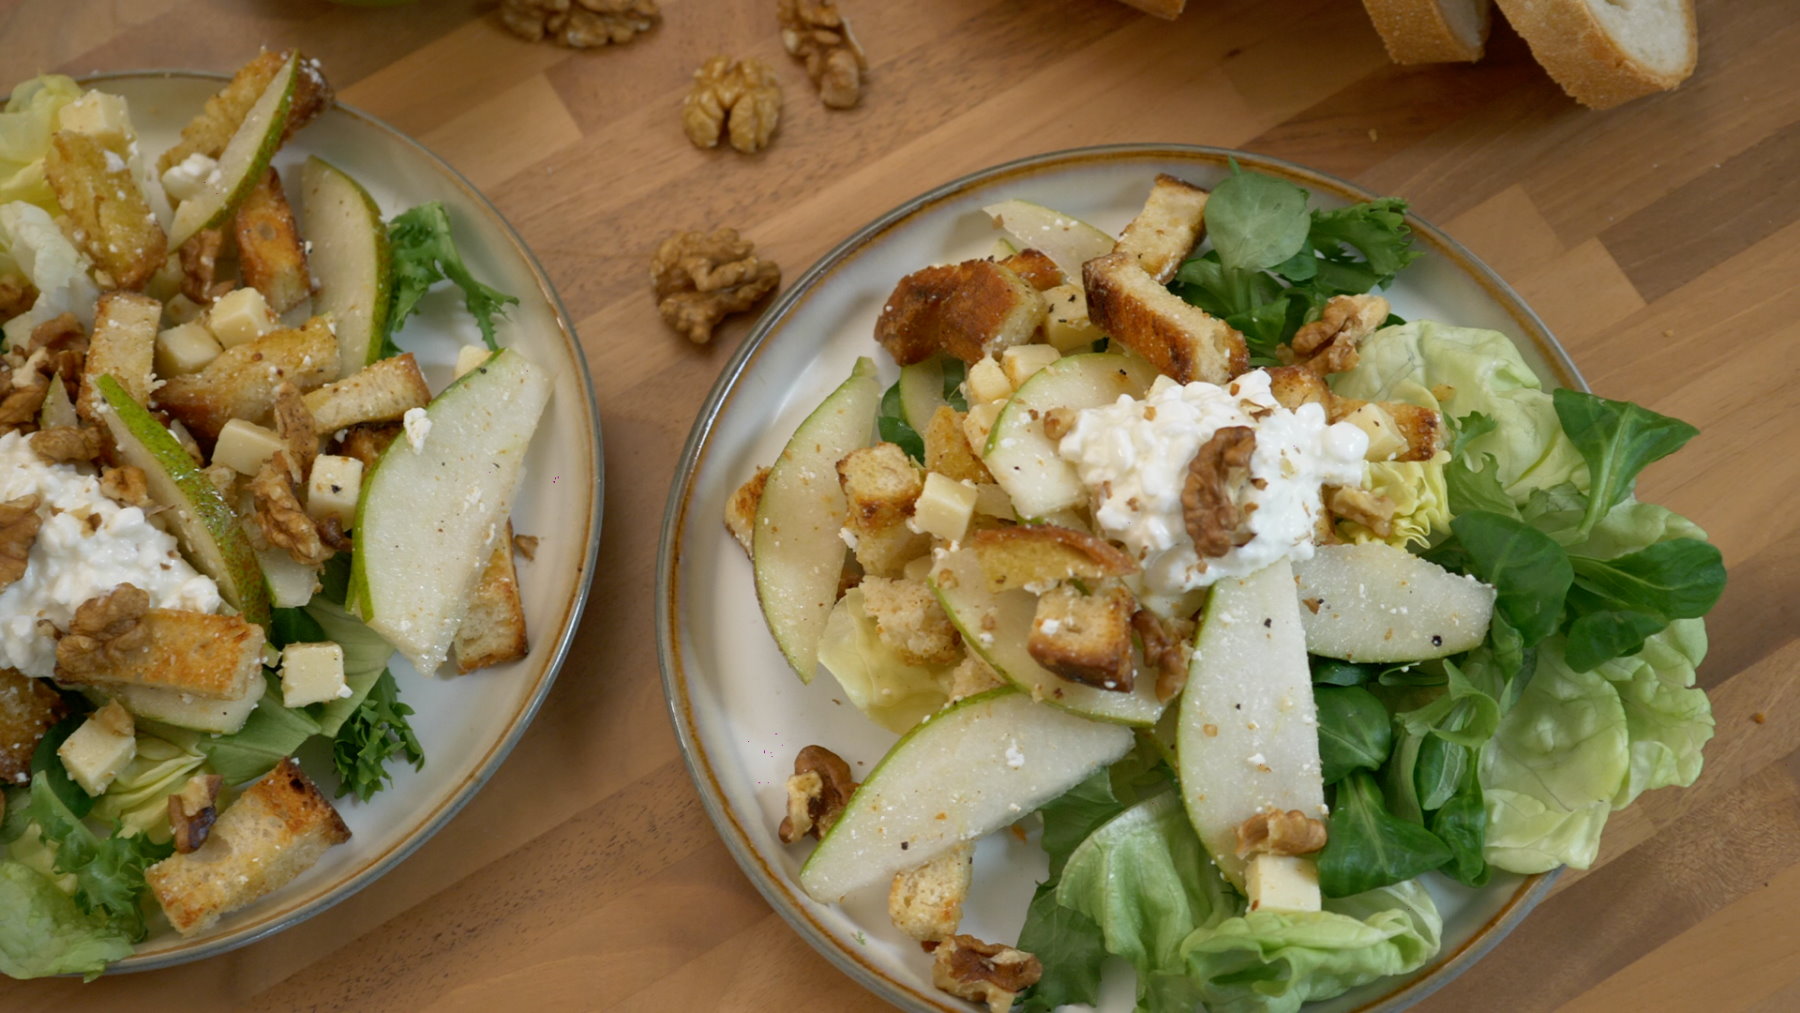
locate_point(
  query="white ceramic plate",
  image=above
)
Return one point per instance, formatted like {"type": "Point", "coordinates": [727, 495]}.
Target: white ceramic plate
{"type": "Point", "coordinates": [466, 724]}
{"type": "Point", "coordinates": [739, 711]}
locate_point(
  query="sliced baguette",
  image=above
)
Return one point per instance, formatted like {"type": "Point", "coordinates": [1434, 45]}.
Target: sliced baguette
{"type": "Point", "coordinates": [1431, 31]}
{"type": "Point", "coordinates": [1605, 53]}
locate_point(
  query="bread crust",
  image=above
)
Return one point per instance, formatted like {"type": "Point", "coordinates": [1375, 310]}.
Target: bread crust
{"type": "Point", "coordinates": [1417, 31]}
{"type": "Point", "coordinates": [1583, 57]}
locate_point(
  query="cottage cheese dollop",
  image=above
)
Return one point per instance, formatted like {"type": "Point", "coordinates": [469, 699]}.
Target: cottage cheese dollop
{"type": "Point", "coordinates": [87, 546]}
{"type": "Point", "coordinates": [1133, 455]}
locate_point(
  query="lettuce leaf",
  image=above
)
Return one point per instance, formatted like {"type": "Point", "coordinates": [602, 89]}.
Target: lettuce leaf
{"type": "Point", "coordinates": [1668, 720]}
{"type": "Point", "coordinates": [1421, 502]}
{"type": "Point", "coordinates": [25, 129]}
{"type": "Point", "coordinates": [56, 268]}
{"type": "Point", "coordinates": [139, 797]}
{"type": "Point", "coordinates": [890, 691]}
{"type": "Point", "coordinates": [44, 933]}
{"type": "Point", "coordinates": [424, 253]}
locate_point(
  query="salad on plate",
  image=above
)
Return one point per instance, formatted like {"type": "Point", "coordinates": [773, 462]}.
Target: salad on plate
{"type": "Point", "coordinates": [228, 497]}
{"type": "Point", "coordinates": [1257, 605]}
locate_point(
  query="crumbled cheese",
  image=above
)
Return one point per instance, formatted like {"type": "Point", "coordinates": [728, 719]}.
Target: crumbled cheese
{"type": "Point", "coordinates": [417, 426]}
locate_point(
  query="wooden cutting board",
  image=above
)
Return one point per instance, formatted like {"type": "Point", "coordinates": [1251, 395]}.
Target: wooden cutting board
{"type": "Point", "coordinates": [1660, 241]}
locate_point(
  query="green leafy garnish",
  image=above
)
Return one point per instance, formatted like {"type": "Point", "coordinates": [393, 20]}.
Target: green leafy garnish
{"type": "Point", "coordinates": [1369, 847]}
{"type": "Point", "coordinates": [1355, 732]}
{"type": "Point", "coordinates": [423, 254]}
{"type": "Point", "coordinates": [374, 734]}
{"type": "Point", "coordinates": [1617, 439]}
{"type": "Point", "coordinates": [891, 424]}
{"type": "Point", "coordinates": [109, 871]}
{"type": "Point", "coordinates": [1531, 572]}
{"type": "Point", "coordinates": [1257, 222]}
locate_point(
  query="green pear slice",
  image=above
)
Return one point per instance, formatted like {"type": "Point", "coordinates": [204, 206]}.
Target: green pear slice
{"type": "Point", "coordinates": [1024, 460]}
{"type": "Point", "coordinates": [349, 260]}
{"type": "Point", "coordinates": [183, 710]}
{"type": "Point", "coordinates": [1067, 240]}
{"type": "Point", "coordinates": [983, 763]}
{"type": "Point", "coordinates": [1378, 602]}
{"type": "Point", "coordinates": [204, 524]}
{"type": "Point", "coordinates": [245, 158]}
{"type": "Point", "coordinates": [997, 626]}
{"type": "Point", "coordinates": [1248, 738]}
{"type": "Point", "coordinates": [430, 515]}
{"type": "Point", "coordinates": [921, 392]}
{"type": "Point", "coordinates": [797, 552]}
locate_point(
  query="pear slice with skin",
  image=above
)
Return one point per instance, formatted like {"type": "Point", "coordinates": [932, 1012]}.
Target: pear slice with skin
{"type": "Point", "coordinates": [921, 392]}
{"type": "Point", "coordinates": [245, 158]}
{"type": "Point", "coordinates": [1069, 241]}
{"type": "Point", "coordinates": [980, 764]}
{"type": "Point", "coordinates": [204, 524]}
{"type": "Point", "coordinates": [798, 556]}
{"type": "Point", "coordinates": [1378, 602]}
{"type": "Point", "coordinates": [1024, 460]}
{"type": "Point", "coordinates": [349, 260]}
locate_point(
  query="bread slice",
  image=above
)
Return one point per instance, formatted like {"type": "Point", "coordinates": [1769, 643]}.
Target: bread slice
{"type": "Point", "coordinates": [1431, 31]}
{"type": "Point", "coordinates": [1165, 231]}
{"type": "Point", "coordinates": [213, 657]}
{"type": "Point", "coordinates": [275, 831]}
{"type": "Point", "coordinates": [1182, 341]}
{"type": "Point", "coordinates": [1605, 53]}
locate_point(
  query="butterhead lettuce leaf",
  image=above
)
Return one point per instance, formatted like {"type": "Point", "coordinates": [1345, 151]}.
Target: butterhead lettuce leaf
{"type": "Point", "coordinates": [895, 694]}
{"type": "Point", "coordinates": [43, 932]}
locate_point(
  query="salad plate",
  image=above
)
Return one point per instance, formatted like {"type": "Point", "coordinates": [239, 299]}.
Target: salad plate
{"type": "Point", "coordinates": [738, 710]}
{"type": "Point", "coordinates": [466, 724]}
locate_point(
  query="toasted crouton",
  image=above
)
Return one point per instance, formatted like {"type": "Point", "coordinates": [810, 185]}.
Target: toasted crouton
{"type": "Point", "coordinates": [740, 510]}
{"type": "Point", "coordinates": [124, 345]}
{"type": "Point", "coordinates": [382, 391]}
{"type": "Point", "coordinates": [969, 310]}
{"type": "Point", "coordinates": [28, 707]}
{"type": "Point", "coordinates": [947, 449]}
{"type": "Point", "coordinates": [270, 255]}
{"type": "Point", "coordinates": [881, 483]}
{"type": "Point", "coordinates": [1293, 386]}
{"type": "Point", "coordinates": [108, 216]}
{"type": "Point", "coordinates": [909, 620]}
{"type": "Point", "coordinates": [973, 675]}
{"type": "Point", "coordinates": [926, 901]}
{"type": "Point", "coordinates": [368, 441]}
{"type": "Point", "coordinates": [1183, 342]}
{"type": "Point", "coordinates": [1085, 638]}
{"type": "Point", "coordinates": [213, 657]}
{"type": "Point", "coordinates": [1036, 267]}
{"type": "Point", "coordinates": [276, 830]}
{"type": "Point", "coordinates": [240, 383]}
{"type": "Point", "coordinates": [1034, 556]}
{"type": "Point", "coordinates": [1165, 231]}
{"type": "Point", "coordinates": [493, 630]}
{"type": "Point", "coordinates": [209, 131]}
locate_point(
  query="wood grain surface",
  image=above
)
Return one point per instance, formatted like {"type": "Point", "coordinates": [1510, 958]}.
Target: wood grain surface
{"type": "Point", "coordinates": [1661, 242]}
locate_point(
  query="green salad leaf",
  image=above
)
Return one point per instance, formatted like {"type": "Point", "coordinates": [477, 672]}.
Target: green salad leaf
{"type": "Point", "coordinates": [139, 797]}
{"type": "Point", "coordinates": [1256, 222]}
{"type": "Point", "coordinates": [891, 425]}
{"type": "Point", "coordinates": [274, 731]}
{"type": "Point", "coordinates": [1617, 439]}
{"type": "Point", "coordinates": [108, 871]}
{"type": "Point", "coordinates": [1529, 570]}
{"type": "Point", "coordinates": [1369, 847]}
{"type": "Point", "coordinates": [43, 932]}
{"type": "Point", "coordinates": [376, 733]}
{"type": "Point", "coordinates": [1355, 732]}
{"type": "Point", "coordinates": [424, 253]}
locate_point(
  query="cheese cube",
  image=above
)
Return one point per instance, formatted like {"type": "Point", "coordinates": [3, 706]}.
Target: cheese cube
{"type": "Point", "coordinates": [1067, 326]}
{"type": "Point", "coordinates": [470, 356]}
{"type": "Point", "coordinates": [100, 748]}
{"type": "Point", "coordinates": [1282, 883]}
{"type": "Point", "coordinates": [100, 116]}
{"type": "Point", "coordinates": [944, 507]}
{"type": "Point", "coordinates": [978, 420]}
{"type": "Point", "coordinates": [185, 348]}
{"type": "Point", "coordinates": [240, 315]}
{"type": "Point", "coordinates": [312, 673]}
{"type": "Point", "coordinates": [180, 309]}
{"type": "Point", "coordinates": [988, 382]}
{"type": "Point", "coordinates": [245, 446]}
{"type": "Point", "coordinates": [1385, 440]}
{"type": "Point", "coordinates": [333, 489]}
{"type": "Point", "coordinates": [1020, 361]}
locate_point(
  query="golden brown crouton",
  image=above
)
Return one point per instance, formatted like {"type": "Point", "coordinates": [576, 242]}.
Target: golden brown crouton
{"type": "Point", "coordinates": [947, 449]}
{"type": "Point", "coordinates": [270, 255]}
{"type": "Point", "coordinates": [926, 901]}
{"type": "Point", "coordinates": [1165, 231]}
{"type": "Point", "coordinates": [276, 830]}
{"type": "Point", "coordinates": [209, 656]}
{"type": "Point", "coordinates": [240, 383]}
{"type": "Point", "coordinates": [1085, 638]}
{"type": "Point", "coordinates": [909, 620]}
{"type": "Point", "coordinates": [968, 310]}
{"type": "Point", "coordinates": [210, 130]}
{"type": "Point", "coordinates": [973, 675]}
{"type": "Point", "coordinates": [740, 510]}
{"type": "Point", "coordinates": [108, 216]}
{"type": "Point", "coordinates": [368, 441]}
{"type": "Point", "coordinates": [1036, 267]}
{"type": "Point", "coordinates": [123, 345]}
{"type": "Point", "coordinates": [1293, 386]}
{"type": "Point", "coordinates": [28, 707]}
{"type": "Point", "coordinates": [1183, 342]}
{"type": "Point", "coordinates": [493, 630]}
{"type": "Point", "coordinates": [1038, 555]}
{"type": "Point", "coordinates": [382, 391]}
{"type": "Point", "coordinates": [881, 483]}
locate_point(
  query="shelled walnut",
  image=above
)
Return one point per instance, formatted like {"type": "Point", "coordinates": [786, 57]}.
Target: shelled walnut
{"type": "Point", "coordinates": [817, 34]}
{"type": "Point", "coordinates": [701, 277]}
{"type": "Point", "coordinates": [580, 24]}
{"type": "Point", "coordinates": [734, 100]}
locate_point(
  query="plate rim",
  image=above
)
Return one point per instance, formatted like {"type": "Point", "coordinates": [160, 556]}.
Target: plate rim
{"type": "Point", "coordinates": [768, 883]}
{"type": "Point", "coordinates": [571, 622]}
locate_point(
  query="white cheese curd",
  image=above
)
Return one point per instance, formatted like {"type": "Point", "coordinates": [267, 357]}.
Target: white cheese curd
{"type": "Point", "coordinates": [87, 546]}
{"type": "Point", "coordinates": [417, 426]}
{"type": "Point", "coordinates": [1133, 456]}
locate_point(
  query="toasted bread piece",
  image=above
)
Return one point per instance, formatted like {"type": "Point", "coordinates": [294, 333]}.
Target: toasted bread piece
{"type": "Point", "coordinates": [1036, 267]}
{"type": "Point", "coordinates": [382, 391]}
{"type": "Point", "coordinates": [926, 901]}
{"type": "Point", "coordinates": [881, 484]}
{"type": "Point", "coordinates": [1293, 386]}
{"type": "Point", "coordinates": [28, 707]}
{"type": "Point", "coordinates": [909, 620]}
{"type": "Point", "coordinates": [1085, 638]}
{"type": "Point", "coordinates": [240, 383]}
{"type": "Point", "coordinates": [270, 255]}
{"type": "Point", "coordinates": [368, 441]}
{"type": "Point", "coordinates": [1183, 342]}
{"type": "Point", "coordinates": [493, 630]}
{"type": "Point", "coordinates": [209, 656]}
{"type": "Point", "coordinates": [973, 675]}
{"type": "Point", "coordinates": [210, 130]}
{"type": "Point", "coordinates": [1165, 231]}
{"type": "Point", "coordinates": [1418, 430]}
{"type": "Point", "coordinates": [275, 830]}
{"type": "Point", "coordinates": [124, 345]}
{"type": "Point", "coordinates": [969, 310]}
{"type": "Point", "coordinates": [1038, 555]}
{"type": "Point", "coordinates": [1431, 31]}
{"type": "Point", "coordinates": [740, 510]}
{"type": "Point", "coordinates": [108, 215]}
{"type": "Point", "coordinates": [947, 449]}
{"type": "Point", "coordinates": [1603, 52]}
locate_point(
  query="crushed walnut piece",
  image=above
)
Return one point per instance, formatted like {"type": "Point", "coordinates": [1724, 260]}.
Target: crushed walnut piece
{"type": "Point", "coordinates": [103, 633]}
{"type": "Point", "coordinates": [21, 394]}
{"type": "Point", "coordinates": [580, 24]}
{"type": "Point", "coordinates": [1280, 833]}
{"type": "Point", "coordinates": [65, 346]}
{"type": "Point", "coordinates": [1370, 509]}
{"type": "Point", "coordinates": [526, 546]}
{"type": "Point", "coordinates": [701, 277]}
{"type": "Point", "coordinates": [1328, 344]}
{"type": "Point", "coordinates": [125, 486]}
{"type": "Point", "coordinates": [1167, 647]}
{"type": "Point", "coordinates": [19, 523]}
{"type": "Point", "coordinates": [734, 100]}
{"type": "Point", "coordinates": [817, 793]}
{"type": "Point", "coordinates": [1209, 509]}
{"type": "Point", "coordinates": [199, 258]}
{"type": "Point", "coordinates": [817, 34]}
{"type": "Point", "coordinates": [280, 516]}
{"type": "Point", "coordinates": [16, 294]}
{"type": "Point", "coordinates": [192, 811]}
{"type": "Point", "coordinates": [989, 973]}
{"type": "Point", "coordinates": [294, 424]}
{"type": "Point", "coordinates": [64, 444]}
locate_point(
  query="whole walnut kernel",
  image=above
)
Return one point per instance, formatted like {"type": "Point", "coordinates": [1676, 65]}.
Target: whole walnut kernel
{"type": "Point", "coordinates": [700, 277]}
{"type": "Point", "coordinates": [104, 631]}
{"type": "Point", "coordinates": [580, 24]}
{"type": "Point", "coordinates": [19, 524]}
{"type": "Point", "coordinates": [735, 100]}
{"type": "Point", "coordinates": [817, 34]}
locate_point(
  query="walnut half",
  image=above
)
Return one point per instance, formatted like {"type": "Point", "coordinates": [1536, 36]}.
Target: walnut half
{"type": "Point", "coordinates": [580, 24]}
{"type": "Point", "coordinates": [19, 524]}
{"type": "Point", "coordinates": [701, 277]}
{"type": "Point", "coordinates": [735, 100]}
{"type": "Point", "coordinates": [817, 34]}
{"type": "Point", "coordinates": [104, 632]}
{"type": "Point", "coordinates": [991, 973]}
{"type": "Point", "coordinates": [817, 793]}
{"type": "Point", "coordinates": [192, 811]}
{"type": "Point", "coordinates": [1211, 511]}
{"type": "Point", "coordinates": [1280, 833]}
